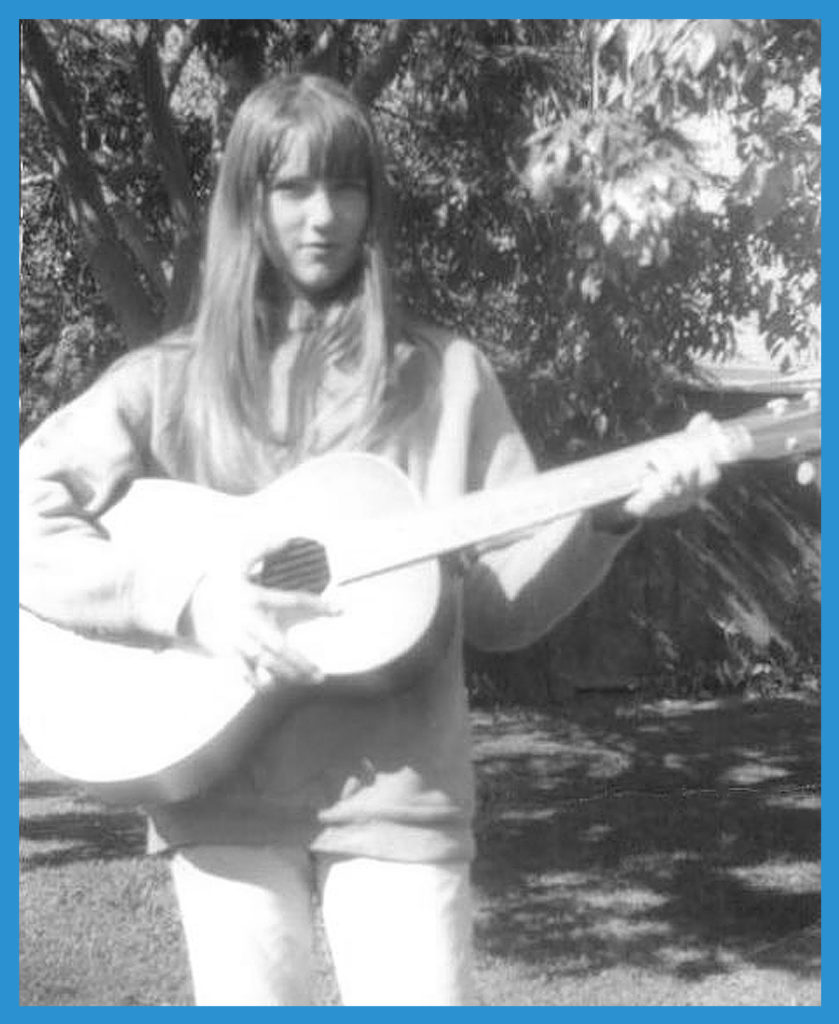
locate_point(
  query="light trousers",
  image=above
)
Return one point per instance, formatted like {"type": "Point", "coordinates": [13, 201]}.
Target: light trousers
{"type": "Point", "coordinates": [399, 934]}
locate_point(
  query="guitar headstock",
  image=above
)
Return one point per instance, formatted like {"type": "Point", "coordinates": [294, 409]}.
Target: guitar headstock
{"type": "Point", "coordinates": [783, 428]}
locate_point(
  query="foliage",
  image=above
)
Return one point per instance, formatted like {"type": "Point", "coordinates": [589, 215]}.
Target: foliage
{"type": "Point", "coordinates": [595, 201]}
{"type": "Point", "coordinates": [554, 184]}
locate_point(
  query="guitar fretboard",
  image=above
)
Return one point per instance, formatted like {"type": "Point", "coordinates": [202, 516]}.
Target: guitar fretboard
{"type": "Point", "coordinates": [483, 517]}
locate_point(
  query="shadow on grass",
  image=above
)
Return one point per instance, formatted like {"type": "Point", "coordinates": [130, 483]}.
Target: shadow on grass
{"type": "Point", "coordinates": [38, 789]}
{"type": "Point", "coordinates": [671, 837]}
{"type": "Point", "coordinates": [676, 838]}
{"type": "Point", "coordinates": [69, 836]}
{"type": "Point", "coordinates": [60, 824]}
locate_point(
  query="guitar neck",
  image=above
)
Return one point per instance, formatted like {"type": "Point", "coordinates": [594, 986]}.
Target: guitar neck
{"type": "Point", "coordinates": [491, 516]}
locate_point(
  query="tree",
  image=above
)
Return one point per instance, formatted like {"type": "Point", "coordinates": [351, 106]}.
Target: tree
{"type": "Point", "coordinates": [119, 122]}
{"type": "Point", "coordinates": [595, 201]}
{"type": "Point", "coordinates": [613, 248]}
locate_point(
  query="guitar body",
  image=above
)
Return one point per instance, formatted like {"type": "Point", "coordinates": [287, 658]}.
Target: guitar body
{"type": "Point", "coordinates": [144, 725]}
{"type": "Point", "coordinates": [141, 724]}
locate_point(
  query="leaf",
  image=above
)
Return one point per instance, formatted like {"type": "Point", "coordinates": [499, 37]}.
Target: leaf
{"type": "Point", "coordinates": [44, 357]}
{"type": "Point", "coordinates": [616, 91]}
{"type": "Point", "coordinates": [610, 225]}
{"type": "Point", "coordinates": [607, 31]}
{"type": "Point", "coordinates": [777, 181]}
{"type": "Point", "coordinates": [640, 36]}
{"type": "Point", "coordinates": [703, 49]}
{"type": "Point", "coordinates": [591, 285]}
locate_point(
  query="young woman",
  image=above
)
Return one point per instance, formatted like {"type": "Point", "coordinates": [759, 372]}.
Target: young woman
{"type": "Point", "coordinates": [297, 348]}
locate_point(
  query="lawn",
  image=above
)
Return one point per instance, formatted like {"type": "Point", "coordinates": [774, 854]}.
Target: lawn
{"type": "Point", "coordinates": [632, 852]}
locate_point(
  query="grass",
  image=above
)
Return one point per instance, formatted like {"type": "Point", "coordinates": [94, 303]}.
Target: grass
{"type": "Point", "coordinates": [631, 853]}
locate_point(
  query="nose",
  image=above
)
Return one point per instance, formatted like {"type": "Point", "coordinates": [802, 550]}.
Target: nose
{"type": "Point", "coordinates": [320, 206]}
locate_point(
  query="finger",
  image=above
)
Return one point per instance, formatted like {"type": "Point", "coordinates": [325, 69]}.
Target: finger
{"type": "Point", "coordinates": [669, 470]}
{"type": "Point", "coordinates": [700, 423]}
{"type": "Point", "coordinates": [700, 467]}
{"type": "Point", "coordinates": [692, 466]}
{"type": "Point", "coordinates": [263, 677]}
{"type": "Point", "coordinates": [651, 494]}
{"type": "Point", "coordinates": [296, 666]}
{"type": "Point", "coordinates": [271, 650]}
{"type": "Point", "coordinates": [257, 673]}
{"type": "Point", "coordinates": [271, 672]}
{"type": "Point", "coordinates": [669, 487]}
{"type": "Point", "coordinates": [288, 668]}
{"type": "Point", "coordinates": [285, 607]}
{"type": "Point", "coordinates": [704, 429]}
{"type": "Point", "coordinates": [314, 604]}
{"type": "Point", "coordinates": [707, 469]}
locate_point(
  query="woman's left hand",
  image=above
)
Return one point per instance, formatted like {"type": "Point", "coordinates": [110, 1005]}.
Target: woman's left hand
{"type": "Point", "coordinates": [682, 471]}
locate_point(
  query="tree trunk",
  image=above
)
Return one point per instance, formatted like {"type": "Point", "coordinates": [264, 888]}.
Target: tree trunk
{"type": "Point", "coordinates": [111, 264]}
{"type": "Point", "coordinates": [184, 286]}
{"type": "Point", "coordinates": [176, 179]}
{"type": "Point", "coordinates": [167, 141]}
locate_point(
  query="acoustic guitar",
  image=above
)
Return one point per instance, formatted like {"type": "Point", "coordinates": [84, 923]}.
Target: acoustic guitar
{"type": "Point", "coordinates": [139, 723]}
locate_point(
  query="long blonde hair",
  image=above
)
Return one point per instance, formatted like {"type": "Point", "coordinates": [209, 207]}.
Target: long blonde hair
{"type": "Point", "coordinates": [227, 420]}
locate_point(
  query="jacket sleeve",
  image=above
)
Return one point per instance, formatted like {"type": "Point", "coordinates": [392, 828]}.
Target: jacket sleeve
{"type": "Point", "coordinates": [514, 594]}
{"type": "Point", "coordinates": [72, 469]}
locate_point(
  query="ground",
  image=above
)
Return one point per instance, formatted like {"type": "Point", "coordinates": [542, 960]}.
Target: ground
{"type": "Point", "coordinates": [632, 852]}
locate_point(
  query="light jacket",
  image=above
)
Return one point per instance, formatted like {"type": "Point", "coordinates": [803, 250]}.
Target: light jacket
{"type": "Point", "coordinates": [387, 777]}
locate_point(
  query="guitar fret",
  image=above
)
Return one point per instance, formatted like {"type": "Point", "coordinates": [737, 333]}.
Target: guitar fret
{"type": "Point", "coordinates": [485, 516]}
{"type": "Point", "coordinates": [494, 515]}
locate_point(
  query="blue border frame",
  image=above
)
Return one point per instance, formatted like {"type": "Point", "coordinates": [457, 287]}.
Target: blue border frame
{"type": "Point", "coordinates": [429, 9]}
{"type": "Point", "coordinates": [830, 701]}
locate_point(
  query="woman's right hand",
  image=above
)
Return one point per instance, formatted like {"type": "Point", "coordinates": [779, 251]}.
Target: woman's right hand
{"type": "Point", "coordinates": [230, 615]}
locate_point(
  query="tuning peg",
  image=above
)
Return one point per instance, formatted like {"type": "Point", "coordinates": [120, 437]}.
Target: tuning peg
{"type": "Point", "coordinates": [778, 406]}
{"type": "Point", "coordinates": [806, 473]}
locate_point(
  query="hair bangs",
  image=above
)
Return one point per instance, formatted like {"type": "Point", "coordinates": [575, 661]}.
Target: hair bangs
{"type": "Point", "coordinates": [328, 141]}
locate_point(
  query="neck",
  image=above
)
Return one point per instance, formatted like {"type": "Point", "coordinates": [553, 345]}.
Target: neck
{"type": "Point", "coordinates": [301, 314]}
{"type": "Point", "coordinates": [295, 312]}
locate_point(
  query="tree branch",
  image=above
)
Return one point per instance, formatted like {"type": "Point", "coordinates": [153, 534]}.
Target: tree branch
{"type": "Point", "coordinates": [190, 41]}
{"type": "Point", "coordinates": [322, 59]}
{"type": "Point", "coordinates": [380, 67]}
{"type": "Point", "coordinates": [80, 187]}
{"type": "Point", "coordinates": [176, 178]}
{"type": "Point", "coordinates": [147, 253]}
{"type": "Point", "coordinates": [167, 141]}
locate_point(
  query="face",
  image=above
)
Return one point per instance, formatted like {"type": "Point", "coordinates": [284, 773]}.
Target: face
{"type": "Point", "coordinates": [317, 225]}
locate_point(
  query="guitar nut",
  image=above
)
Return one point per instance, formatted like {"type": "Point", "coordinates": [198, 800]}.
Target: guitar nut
{"type": "Point", "coordinates": [367, 774]}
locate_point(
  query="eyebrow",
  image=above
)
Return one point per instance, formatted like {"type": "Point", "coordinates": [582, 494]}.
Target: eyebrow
{"type": "Point", "coordinates": [298, 179]}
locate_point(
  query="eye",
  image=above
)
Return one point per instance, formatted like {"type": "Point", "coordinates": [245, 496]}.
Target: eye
{"type": "Point", "coordinates": [349, 185]}
{"type": "Point", "coordinates": [294, 188]}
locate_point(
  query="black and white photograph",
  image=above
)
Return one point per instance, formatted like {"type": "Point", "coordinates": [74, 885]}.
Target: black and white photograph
{"type": "Point", "coordinates": [420, 512]}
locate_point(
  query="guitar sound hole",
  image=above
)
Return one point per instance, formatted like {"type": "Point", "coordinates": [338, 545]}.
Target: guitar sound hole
{"type": "Point", "coordinates": [300, 564]}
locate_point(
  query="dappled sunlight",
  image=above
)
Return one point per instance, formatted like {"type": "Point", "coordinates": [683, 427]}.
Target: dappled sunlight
{"type": "Point", "coordinates": [781, 876]}
{"type": "Point", "coordinates": [673, 837]}
{"type": "Point", "coordinates": [800, 800]}
{"type": "Point", "coordinates": [753, 769]}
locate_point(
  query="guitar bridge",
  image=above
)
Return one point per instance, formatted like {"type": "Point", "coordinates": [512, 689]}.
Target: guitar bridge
{"type": "Point", "coordinates": [300, 564]}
